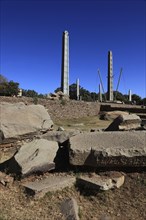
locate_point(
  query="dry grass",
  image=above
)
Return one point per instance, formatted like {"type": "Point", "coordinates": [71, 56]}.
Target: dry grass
{"type": "Point", "coordinates": [84, 124]}
{"type": "Point", "coordinates": [126, 203]}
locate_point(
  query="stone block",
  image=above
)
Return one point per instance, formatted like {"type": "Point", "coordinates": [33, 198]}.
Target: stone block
{"type": "Point", "coordinates": [108, 149]}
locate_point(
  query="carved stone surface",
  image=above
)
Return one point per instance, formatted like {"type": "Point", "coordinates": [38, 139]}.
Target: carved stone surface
{"type": "Point", "coordinates": [109, 149]}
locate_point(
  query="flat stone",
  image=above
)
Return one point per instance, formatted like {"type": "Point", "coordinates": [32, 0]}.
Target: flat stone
{"type": "Point", "coordinates": [104, 183]}
{"type": "Point", "coordinates": [70, 209]}
{"type": "Point", "coordinates": [108, 149]}
{"type": "Point", "coordinates": [53, 183]}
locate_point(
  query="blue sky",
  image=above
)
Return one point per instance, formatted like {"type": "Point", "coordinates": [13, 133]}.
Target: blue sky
{"type": "Point", "coordinates": [31, 37]}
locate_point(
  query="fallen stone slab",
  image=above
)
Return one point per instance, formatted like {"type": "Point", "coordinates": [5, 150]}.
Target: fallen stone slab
{"type": "Point", "coordinates": [52, 183]}
{"type": "Point", "coordinates": [125, 122]}
{"type": "Point", "coordinates": [59, 136]}
{"type": "Point", "coordinates": [111, 115]}
{"type": "Point", "coordinates": [97, 182]}
{"type": "Point", "coordinates": [108, 149]}
{"type": "Point", "coordinates": [70, 209]}
{"type": "Point", "coordinates": [19, 119]}
{"type": "Point", "coordinates": [35, 156]}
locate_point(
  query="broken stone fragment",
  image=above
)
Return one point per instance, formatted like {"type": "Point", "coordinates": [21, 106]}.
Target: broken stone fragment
{"type": "Point", "coordinates": [52, 183]}
{"type": "Point", "coordinates": [125, 122]}
{"type": "Point", "coordinates": [111, 115]}
{"type": "Point", "coordinates": [32, 157]}
{"type": "Point", "coordinates": [70, 209]}
{"type": "Point", "coordinates": [36, 156]}
{"type": "Point", "coordinates": [97, 182]}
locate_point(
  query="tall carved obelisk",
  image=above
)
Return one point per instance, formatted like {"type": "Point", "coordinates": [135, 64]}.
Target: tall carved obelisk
{"type": "Point", "coordinates": [110, 77]}
{"type": "Point", "coordinates": [65, 64]}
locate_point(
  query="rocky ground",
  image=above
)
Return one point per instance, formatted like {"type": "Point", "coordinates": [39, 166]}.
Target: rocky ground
{"type": "Point", "coordinates": [125, 203]}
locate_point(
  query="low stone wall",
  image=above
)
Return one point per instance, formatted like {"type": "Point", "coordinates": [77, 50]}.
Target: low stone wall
{"type": "Point", "coordinates": [74, 109]}
{"type": "Point", "coordinates": [123, 107]}
{"type": "Point", "coordinates": [60, 108]}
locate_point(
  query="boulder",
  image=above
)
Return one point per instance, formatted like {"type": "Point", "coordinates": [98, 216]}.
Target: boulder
{"type": "Point", "coordinates": [125, 123]}
{"type": "Point", "coordinates": [50, 184]}
{"type": "Point", "coordinates": [19, 119]}
{"type": "Point", "coordinates": [97, 182]}
{"type": "Point", "coordinates": [35, 156]}
{"type": "Point", "coordinates": [108, 149]}
{"type": "Point", "coordinates": [70, 209]}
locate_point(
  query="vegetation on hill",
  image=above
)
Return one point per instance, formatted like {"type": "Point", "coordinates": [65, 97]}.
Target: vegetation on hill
{"type": "Point", "coordinates": [85, 95]}
{"type": "Point", "coordinates": [8, 88]}
{"type": "Point", "coordinates": [11, 88]}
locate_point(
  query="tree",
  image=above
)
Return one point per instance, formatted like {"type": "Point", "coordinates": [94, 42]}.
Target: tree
{"type": "Point", "coordinates": [137, 99]}
{"type": "Point", "coordinates": [57, 90]}
{"type": "Point", "coordinates": [144, 101]}
{"type": "Point", "coordinates": [8, 88]}
{"type": "Point", "coordinates": [29, 93]}
{"type": "Point", "coordinates": [84, 94]}
{"type": "Point", "coordinates": [119, 96]}
{"type": "Point", "coordinates": [3, 79]}
{"type": "Point", "coordinates": [12, 88]}
{"type": "Point", "coordinates": [73, 91]}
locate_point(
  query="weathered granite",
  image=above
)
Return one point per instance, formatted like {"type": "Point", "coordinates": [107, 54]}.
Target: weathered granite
{"type": "Point", "coordinates": [19, 119]}
{"type": "Point", "coordinates": [109, 149]}
{"type": "Point", "coordinates": [125, 122]}
{"type": "Point", "coordinates": [52, 183]}
{"type": "Point", "coordinates": [97, 182]}
{"type": "Point", "coordinates": [37, 155]}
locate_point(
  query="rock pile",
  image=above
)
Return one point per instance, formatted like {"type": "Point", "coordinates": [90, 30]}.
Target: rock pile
{"type": "Point", "coordinates": [43, 150]}
{"type": "Point", "coordinates": [58, 96]}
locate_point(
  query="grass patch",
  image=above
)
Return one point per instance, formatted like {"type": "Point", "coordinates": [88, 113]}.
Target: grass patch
{"type": "Point", "coordinates": [85, 123]}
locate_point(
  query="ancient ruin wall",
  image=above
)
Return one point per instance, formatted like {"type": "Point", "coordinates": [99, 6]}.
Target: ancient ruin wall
{"type": "Point", "coordinates": [59, 109]}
